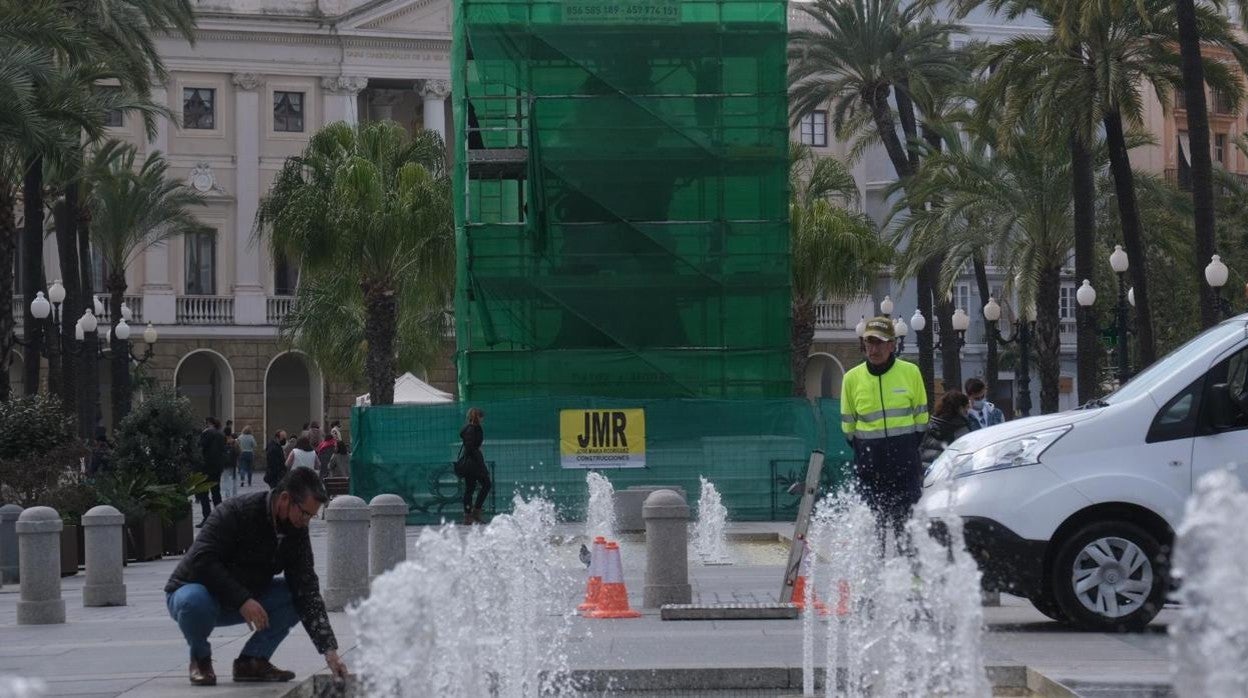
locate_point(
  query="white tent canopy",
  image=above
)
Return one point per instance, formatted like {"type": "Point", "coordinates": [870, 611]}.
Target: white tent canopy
{"type": "Point", "coordinates": [409, 389]}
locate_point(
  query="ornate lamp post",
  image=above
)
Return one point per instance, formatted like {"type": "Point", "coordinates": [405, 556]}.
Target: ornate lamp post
{"type": "Point", "coordinates": [900, 330]}
{"type": "Point", "coordinates": [1216, 275]}
{"type": "Point", "coordinates": [1024, 326]}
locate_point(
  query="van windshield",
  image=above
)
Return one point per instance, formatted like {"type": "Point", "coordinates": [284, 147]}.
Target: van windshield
{"type": "Point", "coordinates": [1167, 365]}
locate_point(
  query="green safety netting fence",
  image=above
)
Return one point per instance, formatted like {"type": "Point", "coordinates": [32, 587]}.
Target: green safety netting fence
{"type": "Point", "coordinates": [621, 198]}
{"type": "Point", "coordinates": [753, 450]}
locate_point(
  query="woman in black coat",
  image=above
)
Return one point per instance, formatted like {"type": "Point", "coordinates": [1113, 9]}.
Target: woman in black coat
{"type": "Point", "coordinates": [472, 466]}
{"type": "Point", "coordinates": [946, 425]}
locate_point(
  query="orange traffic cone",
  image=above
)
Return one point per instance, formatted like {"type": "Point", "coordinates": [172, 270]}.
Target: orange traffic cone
{"type": "Point", "coordinates": [799, 597]}
{"type": "Point", "coordinates": [842, 602]}
{"type": "Point", "coordinates": [613, 599]}
{"type": "Point", "coordinates": [593, 588]}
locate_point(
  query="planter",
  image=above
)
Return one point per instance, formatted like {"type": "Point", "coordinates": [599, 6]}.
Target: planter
{"type": "Point", "coordinates": [71, 553]}
{"type": "Point", "coordinates": [143, 539]}
{"type": "Point", "coordinates": [177, 537]}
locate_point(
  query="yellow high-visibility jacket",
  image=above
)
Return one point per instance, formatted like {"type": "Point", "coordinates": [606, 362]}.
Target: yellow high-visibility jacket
{"type": "Point", "coordinates": [878, 407]}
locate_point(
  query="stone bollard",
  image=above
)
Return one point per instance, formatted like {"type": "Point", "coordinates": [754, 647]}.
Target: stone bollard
{"type": "Point", "coordinates": [667, 549]}
{"type": "Point", "coordinates": [8, 543]}
{"type": "Point", "coordinates": [387, 537]}
{"type": "Point", "coordinates": [105, 552]}
{"type": "Point", "coordinates": [346, 523]}
{"type": "Point", "coordinates": [39, 560]}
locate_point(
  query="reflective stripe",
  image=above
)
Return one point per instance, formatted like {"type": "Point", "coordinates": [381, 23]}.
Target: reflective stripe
{"type": "Point", "coordinates": [886, 414]}
{"type": "Point", "coordinates": [872, 434]}
{"type": "Point", "coordinates": [848, 419]}
{"type": "Point", "coordinates": [920, 410]}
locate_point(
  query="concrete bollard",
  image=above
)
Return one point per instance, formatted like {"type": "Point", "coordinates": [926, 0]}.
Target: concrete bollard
{"type": "Point", "coordinates": [105, 552]}
{"type": "Point", "coordinates": [346, 579]}
{"type": "Point", "coordinates": [667, 549]}
{"type": "Point", "coordinates": [39, 562]}
{"type": "Point", "coordinates": [387, 537]}
{"type": "Point", "coordinates": [8, 543]}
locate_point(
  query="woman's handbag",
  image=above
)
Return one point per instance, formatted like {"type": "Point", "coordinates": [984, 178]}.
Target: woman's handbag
{"type": "Point", "coordinates": [461, 464]}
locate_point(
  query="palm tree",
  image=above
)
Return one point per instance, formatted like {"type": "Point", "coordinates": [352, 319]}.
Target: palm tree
{"type": "Point", "coordinates": [132, 208]}
{"type": "Point", "coordinates": [835, 252]}
{"type": "Point", "coordinates": [1009, 193]}
{"type": "Point", "coordinates": [863, 53]}
{"type": "Point", "coordinates": [366, 212]}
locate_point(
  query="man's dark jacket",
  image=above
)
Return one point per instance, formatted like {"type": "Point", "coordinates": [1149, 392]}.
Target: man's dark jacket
{"type": "Point", "coordinates": [212, 445]}
{"type": "Point", "coordinates": [274, 463]}
{"type": "Point", "coordinates": [237, 554]}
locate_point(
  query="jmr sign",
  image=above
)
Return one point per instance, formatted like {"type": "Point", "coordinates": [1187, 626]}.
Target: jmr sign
{"type": "Point", "coordinates": [610, 438]}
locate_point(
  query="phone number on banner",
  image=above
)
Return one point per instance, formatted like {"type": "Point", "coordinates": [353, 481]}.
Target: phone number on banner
{"type": "Point", "coordinates": [637, 12]}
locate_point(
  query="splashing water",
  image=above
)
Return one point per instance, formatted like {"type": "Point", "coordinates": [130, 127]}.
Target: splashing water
{"type": "Point", "coordinates": [600, 512]}
{"type": "Point", "coordinates": [709, 540]}
{"type": "Point", "coordinates": [18, 687]}
{"type": "Point", "coordinates": [476, 613]}
{"type": "Point", "coordinates": [919, 600]}
{"type": "Point", "coordinates": [1209, 649]}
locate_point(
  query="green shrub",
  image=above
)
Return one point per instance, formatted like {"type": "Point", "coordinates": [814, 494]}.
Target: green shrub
{"type": "Point", "coordinates": [39, 450]}
{"type": "Point", "coordinates": [159, 438]}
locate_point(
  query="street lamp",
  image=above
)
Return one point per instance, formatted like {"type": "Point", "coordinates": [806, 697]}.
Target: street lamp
{"type": "Point", "coordinates": [47, 309]}
{"type": "Point", "coordinates": [89, 324]}
{"type": "Point", "coordinates": [1021, 335]}
{"type": "Point", "coordinates": [861, 329]}
{"type": "Point", "coordinates": [1119, 262]}
{"type": "Point", "coordinates": [900, 330]}
{"type": "Point", "coordinates": [1216, 275]}
{"type": "Point", "coordinates": [886, 307]}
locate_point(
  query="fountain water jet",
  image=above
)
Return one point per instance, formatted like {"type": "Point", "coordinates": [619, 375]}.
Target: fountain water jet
{"type": "Point", "coordinates": [469, 614]}
{"type": "Point", "coordinates": [1209, 648]}
{"type": "Point", "coordinates": [918, 601]}
{"type": "Point", "coordinates": [600, 512]}
{"type": "Point", "coordinates": [709, 539]}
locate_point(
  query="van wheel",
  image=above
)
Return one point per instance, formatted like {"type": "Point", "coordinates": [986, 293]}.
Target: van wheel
{"type": "Point", "coordinates": [1111, 576]}
{"type": "Point", "coordinates": [1045, 603]}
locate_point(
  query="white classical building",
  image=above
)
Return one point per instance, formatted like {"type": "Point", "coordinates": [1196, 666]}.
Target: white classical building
{"type": "Point", "coordinates": [260, 79]}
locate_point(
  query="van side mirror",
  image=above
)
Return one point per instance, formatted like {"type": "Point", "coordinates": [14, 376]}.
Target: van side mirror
{"type": "Point", "coordinates": [1224, 410]}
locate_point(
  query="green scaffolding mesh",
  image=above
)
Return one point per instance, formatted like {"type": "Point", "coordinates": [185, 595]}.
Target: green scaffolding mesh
{"type": "Point", "coordinates": [753, 450]}
{"type": "Point", "coordinates": [621, 198]}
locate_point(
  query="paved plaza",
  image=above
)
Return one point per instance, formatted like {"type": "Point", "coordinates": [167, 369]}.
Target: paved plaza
{"type": "Point", "coordinates": [136, 650]}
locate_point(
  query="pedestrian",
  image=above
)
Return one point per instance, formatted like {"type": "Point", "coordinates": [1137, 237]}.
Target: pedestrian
{"type": "Point", "coordinates": [212, 448]}
{"type": "Point", "coordinates": [252, 564]}
{"type": "Point", "coordinates": [884, 415]}
{"type": "Point", "coordinates": [302, 456]}
{"type": "Point", "coordinates": [340, 462]}
{"type": "Point", "coordinates": [99, 461]}
{"type": "Point", "coordinates": [471, 466]}
{"type": "Point", "coordinates": [275, 459]}
{"type": "Point", "coordinates": [324, 451]}
{"type": "Point", "coordinates": [983, 413]}
{"type": "Point", "coordinates": [314, 433]}
{"type": "Point", "coordinates": [335, 428]}
{"type": "Point", "coordinates": [290, 442]}
{"type": "Point", "coordinates": [948, 423]}
{"type": "Point", "coordinates": [229, 475]}
{"type": "Point", "coordinates": [247, 455]}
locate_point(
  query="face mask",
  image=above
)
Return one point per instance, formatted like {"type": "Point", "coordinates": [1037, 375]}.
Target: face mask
{"type": "Point", "coordinates": [977, 404]}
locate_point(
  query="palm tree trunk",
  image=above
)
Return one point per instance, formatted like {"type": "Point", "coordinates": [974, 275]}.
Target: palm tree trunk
{"type": "Point", "coordinates": [32, 270]}
{"type": "Point", "coordinates": [951, 353]}
{"type": "Point", "coordinates": [380, 314]}
{"type": "Point", "coordinates": [803, 335]}
{"type": "Point", "coordinates": [120, 349]}
{"type": "Point", "coordinates": [1083, 193]}
{"type": "Point", "coordinates": [65, 216]}
{"type": "Point", "coordinates": [90, 403]}
{"type": "Point", "coordinates": [8, 245]}
{"type": "Point", "coordinates": [1132, 235]}
{"type": "Point", "coordinates": [1048, 337]}
{"type": "Point", "coordinates": [992, 358]}
{"type": "Point", "coordinates": [1201, 162]}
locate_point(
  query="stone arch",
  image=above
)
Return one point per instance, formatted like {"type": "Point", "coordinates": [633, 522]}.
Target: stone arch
{"type": "Point", "coordinates": [206, 378]}
{"type": "Point", "coordinates": [823, 376]}
{"type": "Point", "coordinates": [294, 392]}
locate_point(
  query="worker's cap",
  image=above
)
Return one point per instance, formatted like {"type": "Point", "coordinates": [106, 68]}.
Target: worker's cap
{"type": "Point", "coordinates": [881, 328]}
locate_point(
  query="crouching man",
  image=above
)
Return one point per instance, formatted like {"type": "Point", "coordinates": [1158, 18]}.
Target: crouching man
{"type": "Point", "coordinates": [230, 576]}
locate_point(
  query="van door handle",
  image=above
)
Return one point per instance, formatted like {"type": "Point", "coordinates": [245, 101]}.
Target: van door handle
{"type": "Point", "coordinates": [1176, 464]}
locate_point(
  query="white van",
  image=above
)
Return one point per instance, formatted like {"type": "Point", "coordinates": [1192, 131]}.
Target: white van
{"type": "Point", "coordinates": [1077, 510]}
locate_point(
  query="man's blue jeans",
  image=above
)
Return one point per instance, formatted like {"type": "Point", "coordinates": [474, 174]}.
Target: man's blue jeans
{"type": "Point", "coordinates": [197, 613]}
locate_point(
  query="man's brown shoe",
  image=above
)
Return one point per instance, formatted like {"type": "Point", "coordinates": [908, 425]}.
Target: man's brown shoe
{"type": "Point", "coordinates": [202, 673]}
{"type": "Point", "coordinates": [255, 669]}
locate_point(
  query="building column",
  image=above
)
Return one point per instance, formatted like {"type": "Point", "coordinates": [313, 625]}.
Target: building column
{"type": "Point", "coordinates": [339, 98]}
{"type": "Point", "coordinates": [249, 298]}
{"type": "Point", "coordinates": [159, 300]}
{"type": "Point", "coordinates": [434, 94]}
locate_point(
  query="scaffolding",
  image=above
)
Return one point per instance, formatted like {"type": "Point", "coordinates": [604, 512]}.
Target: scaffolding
{"type": "Point", "coordinates": [621, 198]}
